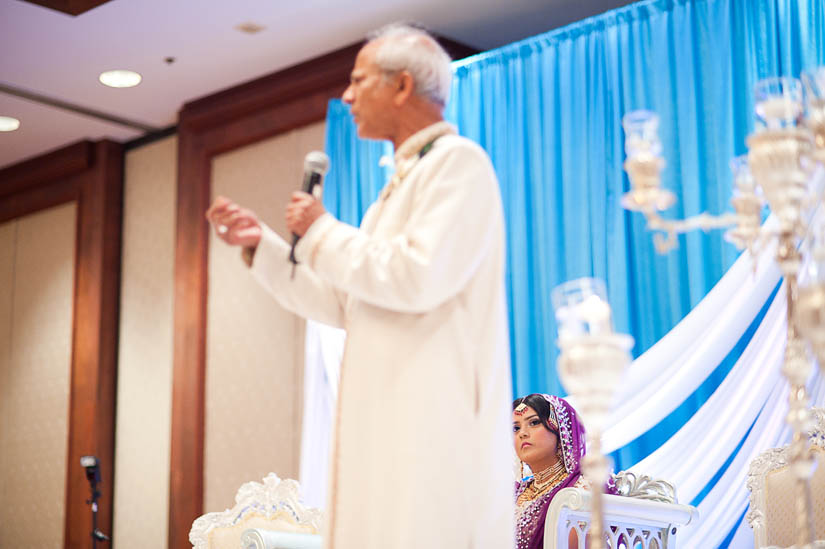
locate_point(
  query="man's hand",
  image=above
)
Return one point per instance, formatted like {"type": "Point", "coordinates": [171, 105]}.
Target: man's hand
{"type": "Point", "coordinates": [234, 225]}
{"type": "Point", "coordinates": [302, 211]}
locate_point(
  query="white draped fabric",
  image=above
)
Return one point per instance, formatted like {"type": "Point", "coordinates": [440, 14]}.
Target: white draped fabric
{"type": "Point", "coordinates": [324, 349]}
{"type": "Point", "coordinates": [661, 378]}
{"type": "Point", "coordinates": [743, 417]}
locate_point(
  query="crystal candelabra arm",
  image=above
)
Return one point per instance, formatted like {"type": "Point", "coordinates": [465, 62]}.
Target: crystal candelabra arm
{"type": "Point", "coordinates": [814, 84]}
{"type": "Point", "coordinates": [671, 228]}
{"type": "Point", "coordinates": [765, 237]}
{"type": "Point", "coordinates": [809, 309]}
{"type": "Point", "coordinates": [644, 166]}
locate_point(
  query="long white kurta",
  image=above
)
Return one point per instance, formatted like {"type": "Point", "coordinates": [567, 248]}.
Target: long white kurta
{"type": "Point", "coordinates": [421, 454]}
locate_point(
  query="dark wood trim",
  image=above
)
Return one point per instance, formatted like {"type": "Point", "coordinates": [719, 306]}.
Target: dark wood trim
{"type": "Point", "coordinates": [189, 364]}
{"type": "Point", "coordinates": [91, 174]}
{"type": "Point", "coordinates": [227, 120]}
{"type": "Point", "coordinates": [267, 122]}
{"type": "Point", "coordinates": [47, 168]}
{"type": "Point", "coordinates": [72, 7]}
{"type": "Point", "coordinates": [148, 138]}
{"type": "Point", "coordinates": [249, 99]}
{"type": "Point", "coordinates": [94, 341]}
{"type": "Point", "coordinates": [37, 198]}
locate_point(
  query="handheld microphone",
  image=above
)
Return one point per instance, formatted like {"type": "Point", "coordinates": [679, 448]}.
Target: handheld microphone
{"type": "Point", "coordinates": [316, 165]}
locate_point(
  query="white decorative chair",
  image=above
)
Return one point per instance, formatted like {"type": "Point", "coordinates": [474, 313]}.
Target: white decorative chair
{"type": "Point", "coordinates": [644, 516]}
{"type": "Point", "coordinates": [771, 484]}
{"type": "Point", "coordinates": [266, 515]}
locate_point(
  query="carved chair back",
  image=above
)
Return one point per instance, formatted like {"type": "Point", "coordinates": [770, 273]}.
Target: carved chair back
{"type": "Point", "coordinates": [772, 513]}
{"type": "Point", "coordinates": [273, 504]}
{"type": "Point", "coordinates": [644, 516]}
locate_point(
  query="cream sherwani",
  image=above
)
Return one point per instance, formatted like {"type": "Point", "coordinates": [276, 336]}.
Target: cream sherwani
{"type": "Point", "coordinates": [421, 453]}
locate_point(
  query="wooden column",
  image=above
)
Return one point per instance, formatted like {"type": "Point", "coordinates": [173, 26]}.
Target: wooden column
{"type": "Point", "coordinates": [91, 174]}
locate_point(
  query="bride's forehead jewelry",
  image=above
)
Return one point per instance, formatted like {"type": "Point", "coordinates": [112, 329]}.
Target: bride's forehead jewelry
{"type": "Point", "coordinates": [520, 409]}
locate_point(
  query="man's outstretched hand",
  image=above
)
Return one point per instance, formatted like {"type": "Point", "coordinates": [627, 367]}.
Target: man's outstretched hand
{"type": "Point", "coordinates": [234, 225]}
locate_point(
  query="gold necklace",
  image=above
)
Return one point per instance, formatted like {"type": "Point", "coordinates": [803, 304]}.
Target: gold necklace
{"type": "Point", "coordinates": [542, 482]}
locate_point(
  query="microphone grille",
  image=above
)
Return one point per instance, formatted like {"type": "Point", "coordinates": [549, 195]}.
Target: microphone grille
{"type": "Point", "coordinates": [316, 161]}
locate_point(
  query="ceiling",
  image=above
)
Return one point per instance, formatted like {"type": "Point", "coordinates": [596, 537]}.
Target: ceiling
{"type": "Point", "coordinates": [187, 49]}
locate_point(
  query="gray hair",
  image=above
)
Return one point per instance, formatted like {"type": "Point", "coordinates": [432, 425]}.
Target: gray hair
{"type": "Point", "coordinates": [405, 47]}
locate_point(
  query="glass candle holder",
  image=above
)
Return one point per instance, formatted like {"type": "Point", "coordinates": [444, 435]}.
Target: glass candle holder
{"type": "Point", "coordinates": [778, 102]}
{"type": "Point", "coordinates": [813, 81]}
{"type": "Point", "coordinates": [581, 308]}
{"type": "Point", "coordinates": [810, 305]}
{"type": "Point", "coordinates": [814, 86]}
{"type": "Point", "coordinates": [742, 177]}
{"type": "Point", "coordinates": [641, 130]}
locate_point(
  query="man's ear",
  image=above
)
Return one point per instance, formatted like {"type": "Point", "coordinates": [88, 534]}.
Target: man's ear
{"type": "Point", "coordinates": [406, 87]}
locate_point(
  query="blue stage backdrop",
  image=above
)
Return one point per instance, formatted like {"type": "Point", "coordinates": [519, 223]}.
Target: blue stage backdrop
{"type": "Point", "coordinates": [548, 110]}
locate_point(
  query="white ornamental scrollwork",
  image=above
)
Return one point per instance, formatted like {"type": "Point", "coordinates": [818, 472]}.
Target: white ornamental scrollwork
{"type": "Point", "coordinates": [270, 498]}
{"type": "Point", "coordinates": [644, 487]}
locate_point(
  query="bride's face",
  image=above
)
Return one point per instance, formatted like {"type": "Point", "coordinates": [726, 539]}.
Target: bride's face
{"type": "Point", "coordinates": [535, 444]}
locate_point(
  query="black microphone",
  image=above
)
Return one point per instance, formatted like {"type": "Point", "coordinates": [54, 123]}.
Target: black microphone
{"type": "Point", "coordinates": [92, 467]}
{"type": "Point", "coordinates": [316, 166]}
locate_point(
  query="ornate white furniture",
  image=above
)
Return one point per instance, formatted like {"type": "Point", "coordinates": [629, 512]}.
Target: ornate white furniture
{"type": "Point", "coordinates": [645, 516]}
{"type": "Point", "coordinates": [259, 538]}
{"type": "Point", "coordinates": [272, 505]}
{"type": "Point", "coordinates": [771, 484]}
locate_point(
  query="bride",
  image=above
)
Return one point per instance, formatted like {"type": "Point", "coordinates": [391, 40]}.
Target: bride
{"type": "Point", "coordinates": [549, 438]}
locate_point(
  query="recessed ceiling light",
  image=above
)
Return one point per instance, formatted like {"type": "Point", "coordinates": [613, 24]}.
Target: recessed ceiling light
{"type": "Point", "coordinates": [8, 124]}
{"type": "Point", "coordinates": [250, 27]}
{"type": "Point", "coordinates": [120, 78]}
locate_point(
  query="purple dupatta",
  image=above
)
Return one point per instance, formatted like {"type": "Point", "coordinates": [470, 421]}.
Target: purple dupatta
{"type": "Point", "coordinates": [530, 526]}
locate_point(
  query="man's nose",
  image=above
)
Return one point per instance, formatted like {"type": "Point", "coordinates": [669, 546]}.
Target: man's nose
{"type": "Point", "coordinates": [347, 97]}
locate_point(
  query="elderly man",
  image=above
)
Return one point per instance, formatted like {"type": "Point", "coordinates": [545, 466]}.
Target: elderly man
{"type": "Point", "coordinates": [421, 455]}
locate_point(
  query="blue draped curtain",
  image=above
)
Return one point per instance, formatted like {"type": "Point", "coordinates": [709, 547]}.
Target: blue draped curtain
{"type": "Point", "coordinates": [548, 111]}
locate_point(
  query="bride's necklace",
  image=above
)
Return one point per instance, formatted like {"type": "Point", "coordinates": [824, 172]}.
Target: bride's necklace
{"type": "Point", "coordinates": [543, 481]}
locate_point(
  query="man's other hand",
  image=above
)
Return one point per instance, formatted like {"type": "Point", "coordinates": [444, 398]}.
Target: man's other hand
{"type": "Point", "coordinates": [234, 225]}
{"type": "Point", "coordinates": [302, 211]}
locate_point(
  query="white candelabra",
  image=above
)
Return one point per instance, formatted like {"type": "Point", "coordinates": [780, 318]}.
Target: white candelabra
{"type": "Point", "coordinates": [591, 364]}
{"type": "Point", "coordinates": [785, 168]}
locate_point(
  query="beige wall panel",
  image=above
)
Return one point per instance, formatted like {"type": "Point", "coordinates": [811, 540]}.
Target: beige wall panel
{"type": "Point", "coordinates": [8, 236]}
{"type": "Point", "coordinates": [144, 391]}
{"type": "Point", "coordinates": [310, 138]}
{"type": "Point", "coordinates": [254, 347]}
{"type": "Point", "coordinates": [35, 390]}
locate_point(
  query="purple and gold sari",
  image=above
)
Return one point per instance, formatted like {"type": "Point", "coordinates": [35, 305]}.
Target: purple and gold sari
{"type": "Point", "coordinates": [530, 515]}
